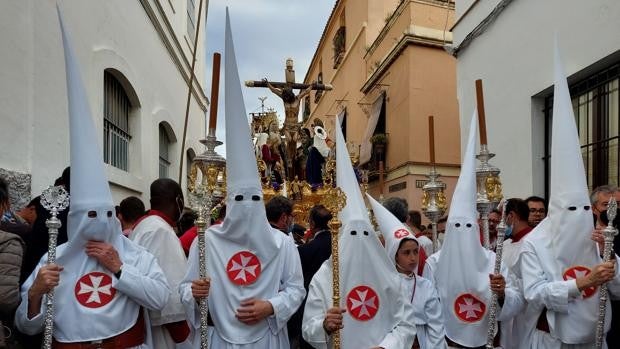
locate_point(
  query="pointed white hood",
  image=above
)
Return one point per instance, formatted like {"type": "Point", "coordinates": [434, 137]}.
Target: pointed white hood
{"type": "Point", "coordinates": [240, 250]}
{"type": "Point", "coordinates": [90, 190]}
{"type": "Point", "coordinates": [347, 181]}
{"type": "Point", "coordinates": [393, 230]}
{"type": "Point", "coordinates": [246, 222]}
{"type": "Point", "coordinates": [568, 183]}
{"type": "Point", "coordinates": [365, 270]}
{"type": "Point", "coordinates": [566, 230]}
{"type": "Point", "coordinates": [462, 231]}
{"type": "Point", "coordinates": [462, 275]}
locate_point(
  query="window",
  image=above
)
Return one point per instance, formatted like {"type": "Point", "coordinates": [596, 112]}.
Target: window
{"type": "Point", "coordinates": [340, 41]}
{"type": "Point", "coordinates": [164, 152]}
{"type": "Point", "coordinates": [378, 139]}
{"type": "Point", "coordinates": [343, 123]}
{"type": "Point", "coordinates": [306, 113]}
{"type": "Point", "coordinates": [318, 93]}
{"type": "Point", "coordinates": [595, 103]}
{"type": "Point", "coordinates": [191, 17]}
{"type": "Point", "coordinates": [116, 134]}
{"type": "Point", "coordinates": [339, 46]}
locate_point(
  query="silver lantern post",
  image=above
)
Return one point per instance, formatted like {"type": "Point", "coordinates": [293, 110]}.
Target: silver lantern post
{"type": "Point", "coordinates": [53, 199]}
{"type": "Point", "coordinates": [489, 191]}
{"type": "Point", "coordinates": [434, 202]}
{"type": "Point", "coordinates": [610, 233]}
{"type": "Point", "coordinates": [207, 190]}
{"type": "Point", "coordinates": [433, 197]}
{"type": "Point", "coordinates": [204, 194]}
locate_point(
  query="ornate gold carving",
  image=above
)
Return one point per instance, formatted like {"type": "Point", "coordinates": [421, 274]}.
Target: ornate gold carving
{"type": "Point", "coordinates": [441, 200]}
{"type": "Point", "coordinates": [493, 188]}
{"type": "Point", "coordinates": [212, 173]}
{"type": "Point", "coordinates": [193, 176]}
{"type": "Point", "coordinates": [329, 173]}
{"type": "Point", "coordinates": [425, 200]}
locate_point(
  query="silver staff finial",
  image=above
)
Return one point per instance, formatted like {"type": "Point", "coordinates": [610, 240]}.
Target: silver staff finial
{"type": "Point", "coordinates": [53, 199]}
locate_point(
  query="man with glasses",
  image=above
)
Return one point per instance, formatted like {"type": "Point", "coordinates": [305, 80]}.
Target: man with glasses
{"type": "Point", "coordinates": [538, 210]}
{"type": "Point", "coordinates": [494, 218]}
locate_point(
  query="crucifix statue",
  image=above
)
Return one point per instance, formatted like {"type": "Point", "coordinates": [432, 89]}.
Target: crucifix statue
{"type": "Point", "coordinates": [292, 102]}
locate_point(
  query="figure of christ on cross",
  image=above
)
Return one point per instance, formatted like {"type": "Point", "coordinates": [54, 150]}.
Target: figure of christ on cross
{"type": "Point", "coordinates": [292, 102]}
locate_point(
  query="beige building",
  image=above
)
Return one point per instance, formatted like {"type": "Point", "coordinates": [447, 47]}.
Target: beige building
{"type": "Point", "coordinates": [135, 58]}
{"type": "Point", "coordinates": [386, 61]}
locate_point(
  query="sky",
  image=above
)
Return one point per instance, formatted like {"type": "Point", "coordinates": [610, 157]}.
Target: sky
{"type": "Point", "coordinates": [265, 34]}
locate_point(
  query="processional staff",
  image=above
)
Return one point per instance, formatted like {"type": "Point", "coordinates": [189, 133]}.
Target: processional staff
{"type": "Point", "coordinates": [501, 233]}
{"type": "Point", "coordinates": [53, 199]}
{"type": "Point", "coordinates": [433, 199]}
{"type": "Point", "coordinates": [335, 200]}
{"type": "Point", "coordinates": [205, 193]}
{"type": "Point", "coordinates": [610, 233]}
{"type": "Point", "coordinates": [487, 176]}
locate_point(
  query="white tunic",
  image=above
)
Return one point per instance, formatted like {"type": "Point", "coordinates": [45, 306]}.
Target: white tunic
{"type": "Point", "coordinates": [426, 309]}
{"type": "Point", "coordinates": [320, 300]}
{"type": "Point", "coordinates": [516, 332]}
{"type": "Point", "coordinates": [157, 236]}
{"type": "Point", "coordinates": [426, 244]}
{"type": "Point", "coordinates": [142, 284]}
{"type": "Point", "coordinates": [556, 296]}
{"type": "Point", "coordinates": [285, 300]}
{"type": "Point", "coordinates": [430, 266]}
{"type": "Point", "coordinates": [514, 302]}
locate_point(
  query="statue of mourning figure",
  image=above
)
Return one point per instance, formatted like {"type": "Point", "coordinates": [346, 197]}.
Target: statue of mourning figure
{"type": "Point", "coordinates": [318, 153]}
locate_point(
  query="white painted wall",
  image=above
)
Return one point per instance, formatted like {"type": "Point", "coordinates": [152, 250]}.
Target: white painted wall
{"type": "Point", "coordinates": [114, 34]}
{"type": "Point", "coordinates": [514, 58]}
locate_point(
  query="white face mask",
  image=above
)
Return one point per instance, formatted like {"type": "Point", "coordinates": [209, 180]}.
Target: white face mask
{"type": "Point", "coordinates": [92, 224]}
{"type": "Point", "coordinates": [244, 203]}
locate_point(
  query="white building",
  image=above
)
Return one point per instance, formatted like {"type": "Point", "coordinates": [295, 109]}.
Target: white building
{"type": "Point", "coordinates": [135, 58]}
{"type": "Point", "coordinates": [509, 45]}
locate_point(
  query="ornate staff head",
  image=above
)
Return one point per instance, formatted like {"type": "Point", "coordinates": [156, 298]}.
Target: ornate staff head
{"type": "Point", "coordinates": [55, 199]}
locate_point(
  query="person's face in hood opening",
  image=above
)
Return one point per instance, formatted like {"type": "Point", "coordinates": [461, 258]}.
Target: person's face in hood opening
{"type": "Point", "coordinates": [407, 256]}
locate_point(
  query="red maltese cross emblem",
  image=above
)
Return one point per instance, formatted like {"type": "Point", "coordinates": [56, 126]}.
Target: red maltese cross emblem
{"type": "Point", "coordinates": [468, 308]}
{"type": "Point", "coordinates": [362, 303]}
{"type": "Point", "coordinates": [94, 290]}
{"type": "Point", "coordinates": [401, 233]}
{"type": "Point", "coordinates": [578, 271]}
{"type": "Point", "coordinates": [243, 268]}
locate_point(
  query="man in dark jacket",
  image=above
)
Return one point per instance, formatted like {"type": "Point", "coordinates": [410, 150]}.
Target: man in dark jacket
{"type": "Point", "coordinates": [312, 255]}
